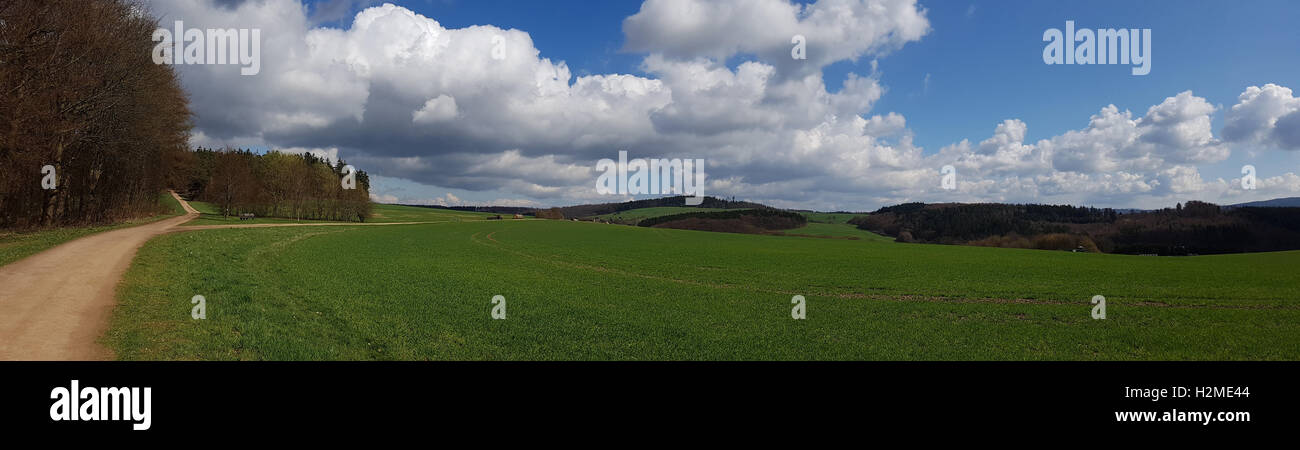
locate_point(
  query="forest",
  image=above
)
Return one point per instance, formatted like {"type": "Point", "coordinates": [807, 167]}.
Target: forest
{"type": "Point", "coordinates": [1187, 229]}
{"type": "Point", "coordinates": [90, 127]}
{"type": "Point", "coordinates": [92, 130]}
{"type": "Point", "coordinates": [751, 221]}
{"type": "Point", "coordinates": [275, 184]}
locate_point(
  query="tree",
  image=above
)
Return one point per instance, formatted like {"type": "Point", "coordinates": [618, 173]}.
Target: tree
{"type": "Point", "coordinates": [79, 92]}
{"type": "Point", "coordinates": [232, 184]}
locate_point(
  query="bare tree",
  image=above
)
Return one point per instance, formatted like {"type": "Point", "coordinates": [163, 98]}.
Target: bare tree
{"type": "Point", "coordinates": [79, 92]}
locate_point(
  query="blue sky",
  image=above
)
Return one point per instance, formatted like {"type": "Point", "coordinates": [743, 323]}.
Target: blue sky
{"type": "Point", "coordinates": [983, 58]}
{"type": "Point", "coordinates": [977, 65]}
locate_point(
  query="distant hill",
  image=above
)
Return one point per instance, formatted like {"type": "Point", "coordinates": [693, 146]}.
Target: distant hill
{"type": "Point", "coordinates": [632, 216]}
{"type": "Point", "coordinates": [484, 209]}
{"type": "Point", "coordinates": [1288, 202]}
{"type": "Point", "coordinates": [597, 209]}
{"type": "Point", "coordinates": [676, 201]}
{"type": "Point", "coordinates": [750, 221]}
{"type": "Point", "coordinates": [1190, 228]}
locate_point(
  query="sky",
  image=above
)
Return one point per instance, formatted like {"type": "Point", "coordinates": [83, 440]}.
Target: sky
{"type": "Point", "coordinates": [890, 92]}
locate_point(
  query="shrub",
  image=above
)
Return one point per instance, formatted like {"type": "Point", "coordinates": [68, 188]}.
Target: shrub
{"type": "Point", "coordinates": [553, 213]}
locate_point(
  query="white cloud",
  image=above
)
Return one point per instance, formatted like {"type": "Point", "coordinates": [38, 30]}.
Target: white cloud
{"type": "Point", "coordinates": [386, 198]}
{"type": "Point", "coordinates": [331, 154]}
{"type": "Point", "coordinates": [835, 30]}
{"type": "Point", "coordinates": [399, 95]}
{"type": "Point", "coordinates": [1269, 115]}
{"type": "Point", "coordinates": [437, 109]}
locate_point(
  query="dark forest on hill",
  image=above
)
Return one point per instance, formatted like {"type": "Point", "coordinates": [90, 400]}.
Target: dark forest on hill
{"type": "Point", "coordinates": [1193, 228]}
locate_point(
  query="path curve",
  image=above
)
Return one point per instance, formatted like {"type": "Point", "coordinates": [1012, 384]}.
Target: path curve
{"type": "Point", "coordinates": [55, 305]}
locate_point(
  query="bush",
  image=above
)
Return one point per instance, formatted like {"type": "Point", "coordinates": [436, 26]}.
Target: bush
{"type": "Point", "coordinates": [1011, 240]}
{"type": "Point", "coordinates": [553, 213]}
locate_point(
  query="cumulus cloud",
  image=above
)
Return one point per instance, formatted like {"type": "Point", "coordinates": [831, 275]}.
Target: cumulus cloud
{"type": "Point", "coordinates": [834, 30]}
{"type": "Point", "coordinates": [438, 109]}
{"type": "Point", "coordinates": [482, 109]}
{"type": "Point", "coordinates": [1117, 159]}
{"type": "Point", "coordinates": [329, 154]}
{"type": "Point", "coordinates": [1175, 131]}
{"type": "Point", "coordinates": [1269, 115]}
{"type": "Point", "coordinates": [386, 198]}
{"type": "Point", "coordinates": [403, 96]}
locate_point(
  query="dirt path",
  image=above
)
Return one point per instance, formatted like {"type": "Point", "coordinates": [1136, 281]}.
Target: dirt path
{"type": "Point", "coordinates": [55, 305]}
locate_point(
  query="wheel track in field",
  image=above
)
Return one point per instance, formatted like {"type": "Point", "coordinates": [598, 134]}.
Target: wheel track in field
{"type": "Point", "coordinates": [498, 245]}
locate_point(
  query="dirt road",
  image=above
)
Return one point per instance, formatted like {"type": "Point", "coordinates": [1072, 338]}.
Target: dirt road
{"type": "Point", "coordinates": [55, 305]}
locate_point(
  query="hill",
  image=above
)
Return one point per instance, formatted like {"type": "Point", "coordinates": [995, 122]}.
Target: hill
{"type": "Point", "coordinates": [750, 221]}
{"type": "Point", "coordinates": [633, 216]}
{"type": "Point", "coordinates": [1286, 202]}
{"type": "Point", "coordinates": [679, 201]}
{"type": "Point", "coordinates": [1193, 228]}
{"type": "Point", "coordinates": [604, 209]}
{"type": "Point", "coordinates": [582, 291]}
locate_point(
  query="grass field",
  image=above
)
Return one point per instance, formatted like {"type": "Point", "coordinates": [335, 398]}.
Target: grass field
{"type": "Point", "coordinates": [834, 230]}
{"type": "Point", "coordinates": [632, 216]}
{"type": "Point", "coordinates": [16, 246]}
{"type": "Point", "coordinates": [821, 217]}
{"type": "Point", "coordinates": [211, 215]}
{"type": "Point", "coordinates": [399, 213]}
{"type": "Point", "coordinates": [578, 290]}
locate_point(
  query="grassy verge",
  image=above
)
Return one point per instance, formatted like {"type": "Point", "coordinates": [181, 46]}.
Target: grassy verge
{"type": "Point", "coordinates": [595, 291]}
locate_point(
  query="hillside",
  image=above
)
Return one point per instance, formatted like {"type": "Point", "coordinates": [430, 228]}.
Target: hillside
{"type": "Point", "coordinates": [579, 291]}
{"type": "Point", "coordinates": [1287, 202]}
{"type": "Point", "coordinates": [750, 221]}
{"type": "Point", "coordinates": [633, 216]}
{"type": "Point", "coordinates": [1194, 228]}
{"type": "Point", "coordinates": [597, 209]}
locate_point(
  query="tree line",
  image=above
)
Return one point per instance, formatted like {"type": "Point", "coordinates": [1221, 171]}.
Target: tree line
{"type": "Point", "coordinates": [751, 221]}
{"type": "Point", "coordinates": [276, 184]}
{"type": "Point", "coordinates": [957, 223]}
{"type": "Point", "coordinates": [1192, 228]}
{"type": "Point", "coordinates": [90, 127]}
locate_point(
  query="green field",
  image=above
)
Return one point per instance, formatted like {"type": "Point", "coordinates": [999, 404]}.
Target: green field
{"type": "Point", "coordinates": [211, 215]}
{"type": "Point", "coordinates": [821, 217]}
{"type": "Point", "coordinates": [580, 290]}
{"type": "Point", "coordinates": [399, 213]}
{"type": "Point", "coordinates": [833, 230]}
{"type": "Point", "coordinates": [16, 246]}
{"type": "Point", "coordinates": [632, 216]}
